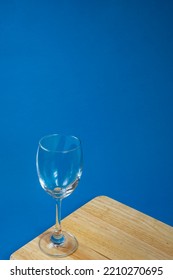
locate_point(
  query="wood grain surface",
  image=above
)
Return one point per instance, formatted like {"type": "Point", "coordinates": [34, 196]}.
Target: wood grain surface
{"type": "Point", "coordinates": [107, 229]}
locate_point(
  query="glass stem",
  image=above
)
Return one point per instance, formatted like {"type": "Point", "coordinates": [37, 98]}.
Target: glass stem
{"type": "Point", "coordinates": [58, 229]}
{"type": "Point", "coordinates": [57, 237]}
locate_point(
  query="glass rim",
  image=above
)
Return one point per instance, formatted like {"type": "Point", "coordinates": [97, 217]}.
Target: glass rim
{"type": "Point", "coordinates": [59, 151]}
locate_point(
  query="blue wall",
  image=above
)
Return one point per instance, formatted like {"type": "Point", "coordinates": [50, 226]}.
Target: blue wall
{"type": "Point", "coordinates": [102, 70]}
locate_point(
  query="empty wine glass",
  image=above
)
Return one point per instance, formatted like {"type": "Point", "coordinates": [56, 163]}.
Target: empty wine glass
{"type": "Point", "coordinates": [59, 168]}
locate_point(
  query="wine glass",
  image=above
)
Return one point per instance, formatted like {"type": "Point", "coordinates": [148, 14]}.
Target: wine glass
{"type": "Point", "coordinates": [59, 168]}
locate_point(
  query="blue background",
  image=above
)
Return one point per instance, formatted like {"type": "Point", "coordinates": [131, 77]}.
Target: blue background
{"type": "Point", "coordinates": [102, 70]}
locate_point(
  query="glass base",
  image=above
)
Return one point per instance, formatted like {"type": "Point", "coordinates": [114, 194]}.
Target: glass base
{"type": "Point", "coordinates": [50, 248]}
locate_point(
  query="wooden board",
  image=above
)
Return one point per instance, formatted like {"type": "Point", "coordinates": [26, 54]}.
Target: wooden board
{"type": "Point", "coordinates": [107, 229]}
